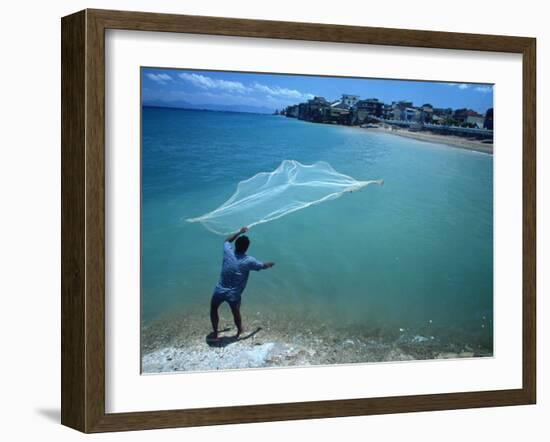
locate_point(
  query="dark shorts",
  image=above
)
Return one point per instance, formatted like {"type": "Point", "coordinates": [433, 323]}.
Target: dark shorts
{"type": "Point", "coordinates": [232, 300]}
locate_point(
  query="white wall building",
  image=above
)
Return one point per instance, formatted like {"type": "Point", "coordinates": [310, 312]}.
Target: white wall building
{"type": "Point", "coordinates": [349, 100]}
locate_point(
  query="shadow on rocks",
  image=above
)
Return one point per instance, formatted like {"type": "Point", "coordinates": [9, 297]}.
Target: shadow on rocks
{"type": "Point", "coordinates": [224, 341]}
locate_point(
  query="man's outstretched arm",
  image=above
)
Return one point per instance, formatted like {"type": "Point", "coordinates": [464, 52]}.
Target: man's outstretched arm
{"type": "Point", "coordinates": [234, 236]}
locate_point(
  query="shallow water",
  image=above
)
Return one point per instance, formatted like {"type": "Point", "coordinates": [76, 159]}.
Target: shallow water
{"type": "Point", "coordinates": [414, 254]}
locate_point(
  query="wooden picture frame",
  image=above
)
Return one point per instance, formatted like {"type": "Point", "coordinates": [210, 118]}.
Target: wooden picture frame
{"type": "Point", "coordinates": [83, 220]}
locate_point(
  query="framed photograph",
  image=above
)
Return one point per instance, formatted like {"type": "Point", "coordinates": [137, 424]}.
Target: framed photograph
{"type": "Point", "coordinates": [271, 220]}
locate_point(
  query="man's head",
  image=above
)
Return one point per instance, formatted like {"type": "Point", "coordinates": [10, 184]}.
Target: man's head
{"type": "Point", "coordinates": [242, 243]}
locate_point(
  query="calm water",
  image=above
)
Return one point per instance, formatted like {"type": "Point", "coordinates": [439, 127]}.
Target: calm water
{"type": "Point", "coordinates": [417, 250]}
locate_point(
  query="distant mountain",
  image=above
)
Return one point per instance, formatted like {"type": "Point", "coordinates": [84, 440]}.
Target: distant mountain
{"type": "Point", "coordinates": [212, 107]}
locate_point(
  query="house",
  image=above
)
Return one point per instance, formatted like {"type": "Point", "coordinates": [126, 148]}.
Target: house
{"type": "Point", "coordinates": [427, 112]}
{"type": "Point", "coordinates": [475, 120]}
{"type": "Point", "coordinates": [367, 108]}
{"type": "Point", "coordinates": [443, 113]}
{"type": "Point", "coordinates": [460, 115]}
{"type": "Point", "coordinates": [436, 119]}
{"type": "Point", "coordinates": [386, 112]}
{"type": "Point", "coordinates": [337, 115]}
{"type": "Point", "coordinates": [411, 114]}
{"type": "Point", "coordinates": [313, 110]}
{"type": "Point", "coordinates": [292, 111]}
{"type": "Point", "coordinates": [349, 100]}
{"type": "Point", "coordinates": [398, 110]}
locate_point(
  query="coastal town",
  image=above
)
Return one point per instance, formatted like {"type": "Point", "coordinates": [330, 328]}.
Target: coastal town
{"type": "Point", "coordinates": [459, 127]}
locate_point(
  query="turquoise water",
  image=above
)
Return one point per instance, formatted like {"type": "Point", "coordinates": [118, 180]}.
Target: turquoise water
{"type": "Point", "coordinates": [416, 251]}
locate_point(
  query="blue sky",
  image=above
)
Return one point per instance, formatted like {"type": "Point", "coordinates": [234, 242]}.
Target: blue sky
{"type": "Point", "coordinates": [176, 87]}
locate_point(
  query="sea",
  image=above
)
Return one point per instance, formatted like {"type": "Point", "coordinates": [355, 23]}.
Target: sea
{"type": "Point", "coordinates": [415, 254]}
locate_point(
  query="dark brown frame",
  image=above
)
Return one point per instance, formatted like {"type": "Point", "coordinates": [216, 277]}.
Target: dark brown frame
{"type": "Point", "coordinates": [83, 218]}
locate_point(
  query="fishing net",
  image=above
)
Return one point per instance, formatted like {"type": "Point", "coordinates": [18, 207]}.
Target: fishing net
{"type": "Point", "coordinates": [268, 196]}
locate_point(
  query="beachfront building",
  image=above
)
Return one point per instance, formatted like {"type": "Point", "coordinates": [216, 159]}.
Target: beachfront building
{"type": "Point", "coordinates": [442, 115]}
{"type": "Point", "coordinates": [291, 111]}
{"type": "Point", "coordinates": [412, 114]}
{"type": "Point", "coordinates": [398, 110]}
{"type": "Point", "coordinates": [349, 100]}
{"type": "Point", "coordinates": [396, 114]}
{"type": "Point", "coordinates": [386, 112]}
{"type": "Point", "coordinates": [427, 112]}
{"type": "Point", "coordinates": [372, 106]}
{"type": "Point", "coordinates": [338, 115]}
{"type": "Point", "coordinates": [436, 119]}
{"type": "Point", "coordinates": [475, 121]}
{"type": "Point", "coordinates": [461, 115]}
{"type": "Point", "coordinates": [350, 110]}
{"type": "Point", "coordinates": [365, 109]}
{"type": "Point", "coordinates": [313, 110]}
{"type": "Point", "coordinates": [319, 110]}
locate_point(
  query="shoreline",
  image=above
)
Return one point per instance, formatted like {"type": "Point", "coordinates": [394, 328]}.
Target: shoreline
{"type": "Point", "coordinates": [179, 343]}
{"type": "Point", "coordinates": [427, 136]}
{"type": "Point", "coordinates": [430, 137]}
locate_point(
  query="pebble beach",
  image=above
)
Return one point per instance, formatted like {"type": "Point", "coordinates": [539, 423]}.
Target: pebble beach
{"type": "Point", "coordinates": [181, 342]}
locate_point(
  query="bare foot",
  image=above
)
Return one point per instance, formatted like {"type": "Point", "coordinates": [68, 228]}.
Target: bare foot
{"type": "Point", "coordinates": [212, 336]}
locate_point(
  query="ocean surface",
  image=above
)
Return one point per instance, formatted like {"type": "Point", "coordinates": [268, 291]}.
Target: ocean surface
{"type": "Point", "coordinates": [415, 254]}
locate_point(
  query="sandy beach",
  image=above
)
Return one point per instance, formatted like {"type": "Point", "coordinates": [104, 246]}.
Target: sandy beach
{"type": "Point", "coordinates": [450, 140]}
{"type": "Point", "coordinates": [179, 343]}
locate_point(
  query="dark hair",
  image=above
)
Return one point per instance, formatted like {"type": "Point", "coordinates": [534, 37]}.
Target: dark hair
{"type": "Point", "coordinates": [242, 243]}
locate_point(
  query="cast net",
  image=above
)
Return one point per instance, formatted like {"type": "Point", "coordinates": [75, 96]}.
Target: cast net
{"type": "Point", "coordinates": [268, 196]}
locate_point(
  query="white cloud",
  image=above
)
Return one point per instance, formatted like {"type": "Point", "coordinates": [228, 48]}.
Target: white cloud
{"type": "Point", "coordinates": [484, 89]}
{"type": "Point", "coordinates": [276, 91]}
{"type": "Point", "coordinates": [208, 83]}
{"type": "Point", "coordinates": [461, 86]}
{"type": "Point", "coordinates": [204, 82]}
{"type": "Point", "coordinates": [160, 78]}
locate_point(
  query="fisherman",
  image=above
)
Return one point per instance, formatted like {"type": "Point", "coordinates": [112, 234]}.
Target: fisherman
{"type": "Point", "coordinates": [234, 276]}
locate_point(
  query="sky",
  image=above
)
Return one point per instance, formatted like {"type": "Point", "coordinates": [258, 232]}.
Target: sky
{"type": "Point", "coordinates": [268, 92]}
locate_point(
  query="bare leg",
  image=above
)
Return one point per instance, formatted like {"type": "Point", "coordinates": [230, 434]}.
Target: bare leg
{"type": "Point", "coordinates": [236, 310]}
{"type": "Point", "coordinates": [214, 317]}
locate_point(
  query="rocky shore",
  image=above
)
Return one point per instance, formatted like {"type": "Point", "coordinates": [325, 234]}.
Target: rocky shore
{"type": "Point", "coordinates": [181, 343]}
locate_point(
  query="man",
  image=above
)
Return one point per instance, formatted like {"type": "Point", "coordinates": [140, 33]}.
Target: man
{"type": "Point", "coordinates": [234, 276]}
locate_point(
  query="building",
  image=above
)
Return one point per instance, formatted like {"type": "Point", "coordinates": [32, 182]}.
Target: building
{"type": "Point", "coordinates": [411, 114]}
{"type": "Point", "coordinates": [395, 113]}
{"type": "Point", "coordinates": [398, 110]}
{"type": "Point", "coordinates": [350, 110]}
{"type": "Point", "coordinates": [402, 104]}
{"type": "Point", "coordinates": [337, 115]}
{"type": "Point", "coordinates": [349, 100]}
{"type": "Point", "coordinates": [313, 110]}
{"type": "Point", "coordinates": [427, 112]}
{"type": "Point", "coordinates": [442, 114]}
{"type": "Point", "coordinates": [292, 111]}
{"type": "Point", "coordinates": [386, 111]}
{"type": "Point", "coordinates": [436, 119]}
{"type": "Point", "coordinates": [310, 110]}
{"type": "Point", "coordinates": [367, 108]}
{"type": "Point", "coordinates": [475, 121]}
{"type": "Point", "coordinates": [461, 115]}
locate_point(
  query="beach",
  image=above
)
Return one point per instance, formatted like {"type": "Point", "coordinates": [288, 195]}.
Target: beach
{"type": "Point", "coordinates": [179, 343]}
{"type": "Point", "coordinates": [430, 137]}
